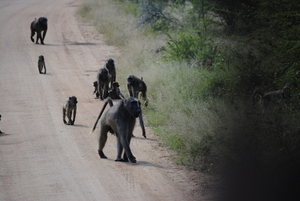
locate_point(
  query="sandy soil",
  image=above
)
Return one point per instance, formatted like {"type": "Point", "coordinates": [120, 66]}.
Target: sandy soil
{"type": "Point", "coordinates": [40, 157]}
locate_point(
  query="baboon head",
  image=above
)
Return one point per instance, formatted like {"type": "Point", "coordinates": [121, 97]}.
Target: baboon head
{"type": "Point", "coordinates": [41, 57]}
{"type": "Point", "coordinates": [115, 85]}
{"type": "Point", "coordinates": [73, 99]}
{"type": "Point", "coordinates": [133, 105]}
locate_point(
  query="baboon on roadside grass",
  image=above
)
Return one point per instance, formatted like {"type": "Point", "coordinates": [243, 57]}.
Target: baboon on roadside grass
{"type": "Point", "coordinates": [272, 96]}
{"type": "Point", "coordinates": [137, 87]}
{"type": "Point", "coordinates": [69, 108]}
{"type": "Point", "coordinates": [120, 119]}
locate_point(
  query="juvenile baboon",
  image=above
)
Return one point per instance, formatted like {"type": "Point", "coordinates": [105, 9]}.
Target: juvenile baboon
{"type": "Point", "coordinates": [96, 89]}
{"type": "Point", "coordinates": [41, 64]}
{"type": "Point", "coordinates": [39, 25]}
{"type": "Point", "coordinates": [69, 107]}
{"type": "Point", "coordinates": [273, 96]}
{"type": "Point", "coordinates": [110, 65]}
{"type": "Point", "coordinates": [114, 92]}
{"type": "Point", "coordinates": [137, 87]}
{"type": "Point", "coordinates": [120, 119]}
{"type": "Point", "coordinates": [103, 79]}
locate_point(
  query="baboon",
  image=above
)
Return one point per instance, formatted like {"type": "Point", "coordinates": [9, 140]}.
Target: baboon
{"type": "Point", "coordinates": [103, 79]}
{"type": "Point", "coordinates": [120, 119]}
{"type": "Point", "coordinates": [110, 65]}
{"type": "Point", "coordinates": [96, 89]}
{"type": "Point", "coordinates": [273, 96]}
{"type": "Point", "coordinates": [39, 25]}
{"type": "Point", "coordinates": [41, 64]}
{"type": "Point", "coordinates": [68, 108]}
{"type": "Point", "coordinates": [114, 92]}
{"type": "Point", "coordinates": [137, 87]}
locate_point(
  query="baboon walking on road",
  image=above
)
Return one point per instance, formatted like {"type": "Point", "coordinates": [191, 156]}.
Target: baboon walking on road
{"type": "Point", "coordinates": [110, 65]}
{"type": "Point", "coordinates": [103, 79]}
{"type": "Point", "coordinates": [119, 119]}
{"type": "Point", "coordinates": [69, 108]}
{"type": "Point", "coordinates": [41, 64]}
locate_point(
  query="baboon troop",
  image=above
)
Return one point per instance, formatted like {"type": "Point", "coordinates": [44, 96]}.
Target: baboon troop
{"type": "Point", "coordinates": [137, 87]}
{"type": "Point", "coordinates": [120, 119]}
{"type": "Point", "coordinates": [273, 96]}
{"type": "Point", "coordinates": [41, 64]}
{"type": "Point", "coordinates": [110, 65]}
{"type": "Point", "coordinates": [103, 79]}
{"type": "Point", "coordinates": [69, 108]}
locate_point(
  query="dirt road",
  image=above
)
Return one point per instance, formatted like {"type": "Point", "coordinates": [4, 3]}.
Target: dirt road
{"type": "Point", "coordinates": [40, 157]}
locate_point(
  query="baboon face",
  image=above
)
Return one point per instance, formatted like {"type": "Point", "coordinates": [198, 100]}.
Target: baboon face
{"type": "Point", "coordinates": [130, 79]}
{"type": "Point", "coordinates": [41, 57]}
{"type": "Point", "coordinates": [43, 21]}
{"type": "Point", "coordinates": [110, 62]}
{"type": "Point", "coordinates": [134, 106]}
{"type": "Point", "coordinates": [115, 85]}
{"type": "Point", "coordinates": [73, 99]}
{"type": "Point", "coordinates": [105, 73]}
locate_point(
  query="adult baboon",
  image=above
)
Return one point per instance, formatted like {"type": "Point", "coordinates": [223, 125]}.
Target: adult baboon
{"type": "Point", "coordinates": [68, 108]}
{"type": "Point", "coordinates": [120, 119]}
{"type": "Point", "coordinates": [137, 87]}
{"type": "Point", "coordinates": [110, 65]}
{"type": "Point", "coordinates": [273, 96]}
{"type": "Point", "coordinates": [39, 25]}
{"type": "Point", "coordinates": [103, 79]}
{"type": "Point", "coordinates": [41, 64]}
{"type": "Point", "coordinates": [114, 92]}
{"type": "Point", "coordinates": [96, 89]}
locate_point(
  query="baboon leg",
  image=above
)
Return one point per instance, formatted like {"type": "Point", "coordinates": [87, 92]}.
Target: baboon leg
{"type": "Point", "coordinates": [74, 116]}
{"type": "Point", "coordinates": [69, 115]}
{"type": "Point", "coordinates": [119, 150]}
{"type": "Point", "coordinates": [38, 36]}
{"type": "Point", "coordinates": [64, 116]}
{"type": "Point", "coordinates": [100, 92]}
{"type": "Point", "coordinates": [142, 125]}
{"type": "Point", "coordinates": [124, 142]}
{"type": "Point", "coordinates": [102, 141]}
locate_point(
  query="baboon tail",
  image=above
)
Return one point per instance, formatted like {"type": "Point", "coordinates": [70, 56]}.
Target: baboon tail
{"type": "Point", "coordinates": [108, 100]}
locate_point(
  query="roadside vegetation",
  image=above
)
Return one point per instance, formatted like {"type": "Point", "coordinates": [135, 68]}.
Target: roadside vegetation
{"type": "Point", "coordinates": [202, 61]}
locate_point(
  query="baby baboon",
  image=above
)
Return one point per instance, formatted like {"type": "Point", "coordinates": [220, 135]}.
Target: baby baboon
{"type": "Point", "coordinates": [114, 92]}
{"type": "Point", "coordinates": [103, 79]}
{"type": "Point", "coordinates": [137, 87]}
{"type": "Point", "coordinates": [41, 64]}
{"type": "Point", "coordinates": [68, 108]}
{"type": "Point", "coordinates": [96, 89]}
{"type": "Point", "coordinates": [110, 65]}
{"type": "Point", "coordinates": [273, 96]}
{"type": "Point", "coordinates": [120, 119]}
